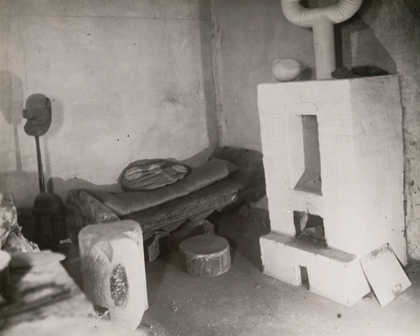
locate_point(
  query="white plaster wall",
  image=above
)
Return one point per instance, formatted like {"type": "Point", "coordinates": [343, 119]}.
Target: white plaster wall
{"type": "Point", "coordinates": [249, 36]}
{"type": "Point", "coordinates": [128, 80]}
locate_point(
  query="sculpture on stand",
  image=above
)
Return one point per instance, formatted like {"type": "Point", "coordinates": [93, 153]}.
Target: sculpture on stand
{"type": "Point", "coordinates": [46, 206]}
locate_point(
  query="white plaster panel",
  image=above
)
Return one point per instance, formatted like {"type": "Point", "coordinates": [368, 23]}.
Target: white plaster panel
{"type": "Point", "coordinates": [380, 164]}
{"type": "Point", "coordinates": [273, 130]}
{"type": "Point", "coordinates": [156, 9]}
{"type": "Point", "coordinates": [331, 92]}
{"type": "Point", "coordinates": [49, 8]}
{"type": "Point", "coordinates": [120, 8]}
{"type": "Point", "coordinates": [343, 283]}
{"type": "Point", "coordinates": [339, 107]}
{"type": "Point", "coordinates": [6, 8]}
{"type": "Point", "coordinates": [342, 123]}
{"type": "Point", "coordinates": [373, 87]}
{"type": "Point", "coordinates": [300, 108]}
{"type": "Point", "coordinates": [185, 9]}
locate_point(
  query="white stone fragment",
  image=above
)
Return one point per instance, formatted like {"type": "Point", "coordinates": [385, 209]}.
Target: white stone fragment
{"type": "Point", "coordinates": [113, 270]}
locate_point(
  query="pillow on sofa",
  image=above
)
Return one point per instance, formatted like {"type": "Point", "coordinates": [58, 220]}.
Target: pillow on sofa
{"type": "Point", "coordinates": [151, 174]}
{"type": "Point", "coordinates": [130, 202]}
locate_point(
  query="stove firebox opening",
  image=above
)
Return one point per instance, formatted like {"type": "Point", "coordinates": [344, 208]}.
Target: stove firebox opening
{"type": "Point", "coordinates": [309, 227]}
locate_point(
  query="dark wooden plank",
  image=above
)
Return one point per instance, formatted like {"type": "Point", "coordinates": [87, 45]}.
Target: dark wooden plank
{"type": "Point", "coordinates": [82, 209]}
{"type": "Point", "coordinates": [212, 197]}
{"type": "Point", "coordinates": [250, 177]}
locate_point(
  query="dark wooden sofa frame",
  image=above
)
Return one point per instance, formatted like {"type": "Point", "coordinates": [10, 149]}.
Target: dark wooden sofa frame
{"type": "Point", "coordinates": [245, 185]}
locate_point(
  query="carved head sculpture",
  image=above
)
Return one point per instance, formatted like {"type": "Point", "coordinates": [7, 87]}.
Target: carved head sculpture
{"type": "Point", "coordinates": [38, 112]}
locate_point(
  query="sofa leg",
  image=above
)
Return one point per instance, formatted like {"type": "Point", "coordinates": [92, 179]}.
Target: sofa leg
{"type": "Point", "coordinates": [153, 250]}
{"type": "Point", "coordinates": [208, 226]}
{"type": "Point", "coordinates": [188, 228]}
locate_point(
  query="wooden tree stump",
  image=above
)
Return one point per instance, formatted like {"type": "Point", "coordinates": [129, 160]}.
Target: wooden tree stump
{"type": "Point", "coordinates": [206, 255]}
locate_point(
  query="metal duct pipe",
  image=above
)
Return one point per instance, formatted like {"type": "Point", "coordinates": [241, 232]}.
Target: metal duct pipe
{"type": "Point", "coordinates": [322, 21]}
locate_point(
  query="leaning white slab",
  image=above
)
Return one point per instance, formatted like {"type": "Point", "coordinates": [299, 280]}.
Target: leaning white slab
{"type": "Point", "coordinates": [113, 270]}
{"type": "Point", "coordinates": [385, 274]}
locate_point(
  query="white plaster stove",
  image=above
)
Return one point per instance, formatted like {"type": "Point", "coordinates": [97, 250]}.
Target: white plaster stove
{"type": "Point", "coordinates": [333, 158]}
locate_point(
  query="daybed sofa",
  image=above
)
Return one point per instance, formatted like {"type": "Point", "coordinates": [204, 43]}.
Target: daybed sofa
{"type": "Point", "coordinates": [246, 184]}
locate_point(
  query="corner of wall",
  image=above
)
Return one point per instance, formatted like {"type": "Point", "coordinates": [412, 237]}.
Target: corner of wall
{"type": "Point", "coordinates": [216, 47]}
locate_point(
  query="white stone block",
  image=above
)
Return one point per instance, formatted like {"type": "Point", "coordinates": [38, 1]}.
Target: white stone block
{"type": "Point", "coordinates": [332, 274]}
{"type": "Point", "coordinates": [113, 270]}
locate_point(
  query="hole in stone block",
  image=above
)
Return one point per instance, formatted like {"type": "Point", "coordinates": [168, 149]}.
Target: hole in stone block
{"type": "Point", "coordinates": [310, 181]}
{"type": "Point", "coordinates": [304, 277]}
{"type": "Point", "coordinates": [309, 227]}
{"type": "Point", "coordinates": [119, 286]}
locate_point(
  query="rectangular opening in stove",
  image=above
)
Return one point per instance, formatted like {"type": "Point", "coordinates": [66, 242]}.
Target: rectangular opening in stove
{"type": "Point", "coordinates": [309, 227]}
{"type": "Point", "coordinates": [304, 277]}
{"type": "Point", "coordinates": [310, 180]}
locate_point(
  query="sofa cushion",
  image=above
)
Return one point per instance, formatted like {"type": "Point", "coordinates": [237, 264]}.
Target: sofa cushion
{"type": "Point", "coordinates": [130, 202]}
{"type": "Point", "coordinates": [151, 174]}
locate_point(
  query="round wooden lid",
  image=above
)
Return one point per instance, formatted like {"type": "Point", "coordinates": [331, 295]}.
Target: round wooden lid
{"type": "Point", "coordinates": [204, 245]}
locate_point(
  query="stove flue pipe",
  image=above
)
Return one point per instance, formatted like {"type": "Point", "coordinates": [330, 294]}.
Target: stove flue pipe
{"type": "Point", "coordinates": [322, 21]}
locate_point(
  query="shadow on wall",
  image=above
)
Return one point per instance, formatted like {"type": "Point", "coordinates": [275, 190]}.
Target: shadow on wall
{"type": "Point", "coordinates": [307, 74]}
{"type": "Point", "coordinates": [11, 106]}
{"type": "Point", "coordinates": [356, 43]}
{"type": "Point", "coordinates": [23, 185]}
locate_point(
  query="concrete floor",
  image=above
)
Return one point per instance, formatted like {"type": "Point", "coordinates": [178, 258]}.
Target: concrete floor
{"type": "Point", "coordinates": [246, 302]}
